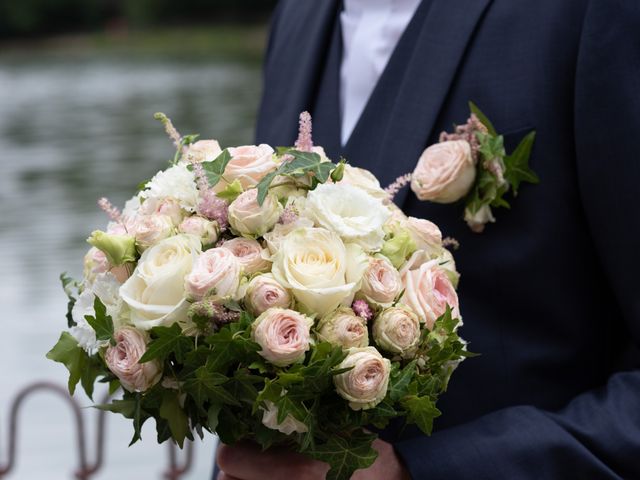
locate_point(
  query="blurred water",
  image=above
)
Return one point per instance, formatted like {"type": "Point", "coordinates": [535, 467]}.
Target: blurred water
{"type": "Point", "coordinates": [70, 132]}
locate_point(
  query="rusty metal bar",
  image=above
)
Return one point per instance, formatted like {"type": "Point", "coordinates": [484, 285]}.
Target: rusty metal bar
{"type": "Point", "coordinates": [175, 472]}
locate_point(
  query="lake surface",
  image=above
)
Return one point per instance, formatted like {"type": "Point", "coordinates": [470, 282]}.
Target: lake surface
{"type": "Point", "coordinates": [73, 130]}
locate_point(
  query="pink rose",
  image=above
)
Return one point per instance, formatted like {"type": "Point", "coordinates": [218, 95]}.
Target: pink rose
{"type": "Point", "coordinates": [381, 282]}
{"type": "Point", "coordinates": [249, 253]}
{"type": "Point", "coordinates": [397, 330]}
{"type": "Point", "coordinates": [264, 292]}
{"type": "Point", "coordinates": [428, 291]}
{"type": "Point", "coordinates": [215, 275]}
{"type": "Point", "coordinates": [150, 229]}
{"type": "Point", "coordinates": [365, 385]}
{"type": "Point", "coordinates": [445, 172]}
{"type": "Point", "coordinates": [122, 359]}
{"type": "Point", "coordinates": [425, 234]}
{"type": "Point", "coordinates": [343, 327]}
{"type": "Point", "coordinates": [284, 335]}
{"type": "Point", "coordinates": [201, 227]}
{"type": "Point", "coordinates": [248, 218]}
{"type": "Point", "coordinates": [203, 151]}
{"type": "Point", "coordinates": [95, 263]}
{"type": "Point", "coordinates": [166, 206]}
{"type": "Point", "coordinates": [249, 164]}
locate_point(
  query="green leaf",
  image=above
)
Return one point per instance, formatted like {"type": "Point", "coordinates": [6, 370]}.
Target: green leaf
{"type": "Point", "coordinates": [69, 285]}
{"type": "Point", "coordinates": [214, 170]}
{"type": "Point", "coordinates": [400, 380]}
{"type": "Point", "coordinates": [205, 385]}
{"type": "Point", "coordinates": [421, 411]}
{"type": "Point", "coordinates": [169, 340]}
{"type": "Point", "coordinates": [517, 164]}
{"type": "Point", "coordinates": [346, 455]}
{"type": "Point", "coordinates": [101, 322]}
{"type": "Point", "coordinates": [130, 406]}
{"type": "Point", "coordinates": [483, 118]}
{"type": "Point", "coordinates": [231, 191]}
{"type": "Point", "coordinates": [173, 413]}
{"type": "Point", "coordinates": [71, 355]}
{"type": "Point", "coordinates": [212, 416]}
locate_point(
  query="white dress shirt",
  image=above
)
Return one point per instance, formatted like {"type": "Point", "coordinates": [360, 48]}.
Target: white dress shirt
{"type": "Point", "coordinates": [370, 32]}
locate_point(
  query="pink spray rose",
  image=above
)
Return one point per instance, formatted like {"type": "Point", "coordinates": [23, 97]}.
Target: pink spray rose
{"type": "Point", "coordinates": [284, 335]}
{"type": "Point", "coordinates": [365, 385]}
{"type": "Point", "coordinates": [264, 292]}
{"type": "Point", "coordinates": [428, 291]}
{"type": "Point", "coordinates": [381, 282]}
{"type": "Point", "coordinates": [249, 253]}
{"type": "Point", "coordinates": [249, 163]}
{"type": "Point", "coordinates": [445, 172]}
{"type": "Point", "coordinates": [215, 274]}
{"type": "Point", "coordinates": [122, 359]}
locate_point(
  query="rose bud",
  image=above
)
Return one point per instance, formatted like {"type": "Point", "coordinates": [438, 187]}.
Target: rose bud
{"type": "Point", "coordinates": [150, 229]}
{"type": "Point", "coordinates": [365, 385]}
{"type": "Point", "coordinates": [201, 227]}
{"type": "Point", "coordinates": [264, 292]}
{"type": "Point", "coordinates": [284, 335]}
{"type": "Point", "coordinates": [250, 219]}
{"type": "Point", "coordinates": [344, 328]}
{"type": "Point", "coordinates": [445, 172]}
{"type": "Point", "coordinates": [122, 359]}
{"type": "Point", "coordinates": [215, 275]}
{"type": "Point", "coordinates": [288, 426]}
{"type": "Point", "coordinates": [428, 291]}
{"type": "Point", "coordinates": [397, 330]}
{"type": "Point", "coordinates": [478, 220]}
{"type": "Point", "coordinates": [381, 282]}
{"type": "Point", "coordinates": [249, 253]}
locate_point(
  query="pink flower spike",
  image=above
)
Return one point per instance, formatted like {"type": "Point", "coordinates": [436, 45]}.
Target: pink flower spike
{"type": "Point", "coordinates": [288, 216]}
{"type": "Point", "coordinates": [214, 208]}
{"type": "Point", "coordinates": [362, 309]}
{"type": "Point", "coordinates": [397, 185]}
{"type": "Point", "coordinates": [201, 178]}
{"type": "Point", "coordinates": [109, 209]}
{"type": "Point", "coordinates": [171, 130]}
{"type": "Point", "coordinates": [304, 143]}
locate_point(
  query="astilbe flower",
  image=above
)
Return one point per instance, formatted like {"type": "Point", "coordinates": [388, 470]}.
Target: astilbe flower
{"type": "Point", "coordinates": [362, 309]}
{"type": "Point", "coordinates": [467, 132]}
{"type": "Point", "coordinates": [110, 209]}
{"type": "Point", "coordinates": [289, 215]}
{"type": "Point", "coordinates": [217, 315]}
{"type": "Point", "coordinates": [397, 185]}
{"type": "Point", "coordinates": [172, 132]}
{"type": "Point", "coordinates": [304, 143]}
{"type": "Point", "coordinates": [210, 205]}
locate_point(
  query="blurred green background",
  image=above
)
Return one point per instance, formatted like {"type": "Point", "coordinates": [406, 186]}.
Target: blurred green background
{"type": "Point", "coordinates": [80, 81]}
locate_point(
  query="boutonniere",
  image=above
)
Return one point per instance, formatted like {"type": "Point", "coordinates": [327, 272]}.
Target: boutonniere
{"type": "Point", "coordinates": [471, 165]}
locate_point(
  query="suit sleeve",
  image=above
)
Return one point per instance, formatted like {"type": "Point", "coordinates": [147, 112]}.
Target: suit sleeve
{"type": "Point", "coordinates": [597, 435]}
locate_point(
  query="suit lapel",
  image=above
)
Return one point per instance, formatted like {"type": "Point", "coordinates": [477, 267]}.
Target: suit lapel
{"type": "Point", "coordinates": [294, 68]}
{"type": "Point", "coordinates": [427, 58]}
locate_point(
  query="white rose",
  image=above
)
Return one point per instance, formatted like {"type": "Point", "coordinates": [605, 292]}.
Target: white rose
{"type": "Point", "coordinates": [288, 426]}
{"type": "Point", "coordinates": [202, 151]}
{"type": "Point", "coordinates": [365, 385]}
{"type": "Point", "coordinates": [155, 292]}
{"type": "Point", "coordinates": [381, 282]}
{"type": "Point", "coordinates": [344, 328]}
{"type": "Point", "coordinates": [250, 254]}
{"type": "Point", "coordinates": [280, 231]}
{"type": "Point", "coordinates": [215, 275]}
{"type": "Point", "coordinates": [320, 270]}
{"type": "Point", "coordinates": [353, 214]}
{"type": "Point", "coordinates": [445, 172]}
{"type": "Point", "coordinates": [397, 330]}
{"type": "Point", "coordinates": [248, 218]}
{"type": "Point", "coordinates": [364, 180]}
{"type": "Point", "coordinates": [176, 182]}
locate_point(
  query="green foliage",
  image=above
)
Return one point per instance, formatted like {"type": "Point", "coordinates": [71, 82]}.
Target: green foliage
{"type": "Point", "coordinates": [171, 411]}
{"type": "Point", "coordinates": [421, 411]}
{"type": "Point", "coordinates": [214, 170]}
{"type": "Point", "coordinates": [483, 118]}
{"type": "Point", "coordinates": [303, 164]}
{"type": "Point", "coordinates": [71, 288]}
{"type": "Point", "coordinates": [101, 322]}
{"type": "Point", "coordinates": [346, 454]}
{"type": "Point", "coordinates": [517, 164]}
{"type": "Point", "coordinates": [82, 368]}
{"type": "Point", "coordinates": [168, 341]}
{"type": "Point", "coordinates": [231, 191]}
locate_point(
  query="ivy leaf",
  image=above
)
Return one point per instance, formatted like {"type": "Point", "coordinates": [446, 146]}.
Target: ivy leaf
{"type": "Point", "coordinates": [400, 379]}
{"type": "Point", "coordinates": [303, 163]}
{"type": "Point", "coordinates": [212, 416]}
{"type": "Point", "coordinates": [71, 355]}
{"type": "Point", "coordinates": [231, 191]}
{"type": "Point", "coordinates": [168, 340]}
{"type": "Point", "coordinates": [172, 412]}
{"type": "Point", "coordinates": [215, 168]}
{"type": "Point", "coordinates": [517, 164]}
{"type": "Point", "coordinates": [101, 322]}
{"type": "Point", "coordinates": [129, 407]}
{"type": "Point", "coordinates": [421, 411]}
{"type": "Point", "coordinates": [346, 455]}
{"type": "Point", "coordinates": [69, 285]}
{"type": "Point", "coordinates": [205, 385]}
{"type": "Point", "coordinates": [483, 118]}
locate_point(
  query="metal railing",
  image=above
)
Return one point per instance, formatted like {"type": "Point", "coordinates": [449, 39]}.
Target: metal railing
{"type": "Point", "coordinates": [85, 469]}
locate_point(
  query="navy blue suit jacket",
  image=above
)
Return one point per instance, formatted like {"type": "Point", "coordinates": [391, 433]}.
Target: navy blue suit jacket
{"type": "Point", "coordinates": [550, 293]}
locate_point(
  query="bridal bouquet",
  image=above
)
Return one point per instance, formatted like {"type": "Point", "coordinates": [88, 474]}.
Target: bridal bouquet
{"type": "Point", "coordinates": [265, 295]}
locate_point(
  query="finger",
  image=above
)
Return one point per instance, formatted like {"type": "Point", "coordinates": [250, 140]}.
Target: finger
{"type": "Point", "coordinates": [224, 476]}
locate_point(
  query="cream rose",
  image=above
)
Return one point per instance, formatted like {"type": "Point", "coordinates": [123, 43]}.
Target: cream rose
{"type": "Point", "coordinates": [397, 330]}
{"type": "Point", "coordinates": [320, 270]}
{"type": "Point", "coordinates": [284, 335]}
{"type": "Point", "coordinates": [202, 151]}
{"type": "Point", "coordinates": [445, 172]}
{"type": "Point", "coordinates": [250, 219]}
{"type": "Point", "coordinates": [250, 254]}
{"type": "Point", "coordinates": [215, 275]}
{"type": "Point", "coordinates": [201, 227]}
{"type": "Point", "coordinates": [364, 180]}
{"type": "Point", "coordinates": [122, 359]}
{"type": "Point", "coordinates": [155, 291]}
{"type": "Point", "coordinates": [280, 231]}
{"type": "Point", "coordinates": [350, 212]}
{"type": "Point", "coordinates": [428, 291]}
{"type": "Point", "coordinates": [344, 328]}
{"type": "Point", "coordinates": [249, 164]}
{"type": "Point", "coordinates": [264, 292]}
{"type": "Point", "coordinates": [381, 282]}
{"type": "Point", "coordinates": [425, 234]}
{"type": "Point", "coordinates": [288, 426]}
{"type": "Point", "coordinates": [150, 229]}
{"type": "Point", "coordinates": [365, 385]}
{"type": "Point", "coordinates": [166, 206]}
